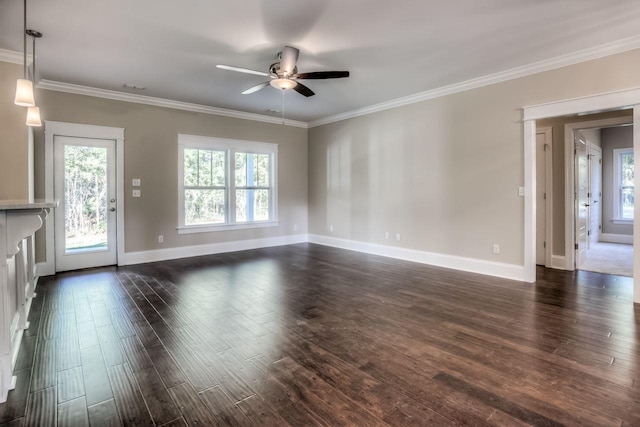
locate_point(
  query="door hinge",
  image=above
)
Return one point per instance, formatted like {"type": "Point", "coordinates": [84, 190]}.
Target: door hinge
{"type": "Point", "coordinates": [544, 245]}
{"type": "Point", "coordinates": [600, 161]}
{"type": "Point", "coordinates": [588, 156]}
{"type": "Point", "coordinates": [589, 233]}
{"type": "Point", "coordinates": [588, 194]}
{"type": "Point", "coordinates": [544, 196]}
{"type": "Point", "coordinates": [599, 227]}
{"type": "Point", "coordinates": [576, 246]}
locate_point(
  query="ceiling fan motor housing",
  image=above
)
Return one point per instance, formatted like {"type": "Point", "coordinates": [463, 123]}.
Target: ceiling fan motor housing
{"type": "Point", "coordinates": [275, 71]}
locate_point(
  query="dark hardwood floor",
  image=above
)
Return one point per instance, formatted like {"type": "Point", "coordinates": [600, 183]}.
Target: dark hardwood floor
{"type": "Point", "coordinates": [309, 335]}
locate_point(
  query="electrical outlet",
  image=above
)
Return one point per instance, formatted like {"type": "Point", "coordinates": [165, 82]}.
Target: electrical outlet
{"type": "Point", "coordinates": [295, 227]}
{"type": "Point", "coordinates": [135, 193]}
{"type": "Point", "coordinates": [496, 249]}
{"type": "Point", "coordinates": [386, 235]}
{"type": "Point", "coordinates": [135, 182]}
{"type": "Point", "coordinates": [331, 228]}
{"type": "Point", "coordinates": [397, 237]}
{"type": "Point", "coordinates": [520, 191]}
{"type": "Point", "coordinates": [160, 238]}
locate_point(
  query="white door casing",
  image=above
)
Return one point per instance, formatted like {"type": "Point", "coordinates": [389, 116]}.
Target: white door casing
{"type": "Point", "coordinates": [52, 129]}
{"type": "Point", "coordinates": [544, 195]}
{"type": "Point", "coordinates": [94, 255]}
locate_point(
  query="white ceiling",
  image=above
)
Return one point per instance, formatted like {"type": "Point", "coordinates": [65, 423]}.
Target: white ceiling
{"type": "Point", "coordinates": [392, 48]}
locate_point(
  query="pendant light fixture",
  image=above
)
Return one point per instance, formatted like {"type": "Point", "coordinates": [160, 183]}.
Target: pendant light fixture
{"type": "Point", "coordinates": [33, 112]}
{"type": "Point", "coordinates": [24, 87]}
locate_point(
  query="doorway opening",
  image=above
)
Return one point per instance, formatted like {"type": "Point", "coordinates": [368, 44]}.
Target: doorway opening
{"type": "Point", "coordinates": [580, 219]}
{"type": "Point", "coordinates": [604, 197]}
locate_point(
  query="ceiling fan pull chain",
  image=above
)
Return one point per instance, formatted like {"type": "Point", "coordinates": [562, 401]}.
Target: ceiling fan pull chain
{"type": "Point", "coordinates": [283, 107]}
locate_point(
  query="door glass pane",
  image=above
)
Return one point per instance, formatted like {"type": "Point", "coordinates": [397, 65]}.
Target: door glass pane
{"type": "Point", "coordinates": [86, 198]}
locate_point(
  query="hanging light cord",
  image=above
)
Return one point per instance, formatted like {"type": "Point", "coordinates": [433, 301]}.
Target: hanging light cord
{"type": "Point", "coordinates": [24, 35]}
{"type": "Point", "coordinates": [283, 106]}
{"type": "Point", "coordinates": [34, 60]}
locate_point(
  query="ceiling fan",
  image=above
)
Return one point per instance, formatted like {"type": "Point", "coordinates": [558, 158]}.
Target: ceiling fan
{"type": "Point", "coordinates": [284, 74]}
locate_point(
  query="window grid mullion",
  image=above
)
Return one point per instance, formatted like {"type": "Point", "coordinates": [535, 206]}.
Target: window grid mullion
{"type": "Point", "coordinates": [231, 167]}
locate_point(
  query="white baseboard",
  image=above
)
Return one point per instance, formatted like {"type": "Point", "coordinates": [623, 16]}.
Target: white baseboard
{"type": "Point", "coordinates": [559, 262]}
{"type": "Point", "coordinates": [508, 271]}
{"type": "Point", "coordinates": [497, 269]}
{"type": "Point", "coordinates": [209, 249]}
{"type": "Point", "coordinates": [627, 239]}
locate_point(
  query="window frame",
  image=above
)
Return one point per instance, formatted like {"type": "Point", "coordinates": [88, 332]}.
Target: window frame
{"type": "Point", "coordinates": [230, 147]}
{"type": "Point", "coordinates": [617, 185]}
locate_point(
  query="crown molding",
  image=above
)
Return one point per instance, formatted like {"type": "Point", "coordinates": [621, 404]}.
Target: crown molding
{"type": "Point", "coordinates": [14, 57]}
{"type": "Point", "coordinates": [584, 55]}
{"type": "Point", "coordinates": [161, 102]}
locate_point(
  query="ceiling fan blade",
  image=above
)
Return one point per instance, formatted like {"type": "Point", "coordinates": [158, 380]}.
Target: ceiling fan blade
{"type": "Point", "coordinates": [288, 60]}
{"type": "Point", "coordinates": [322, 75]}
{"type": "Point", "coordinates": [242, 70]}
{"type": "Point", "coordinates": [255, 88]}
{"type": "Point", "coordinates": [303, 90]}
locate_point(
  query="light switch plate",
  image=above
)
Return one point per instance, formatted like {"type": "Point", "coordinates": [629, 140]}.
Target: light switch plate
{"type": "Point", "coordinates": [136, 193]}
{"type": "Point", "coordinates": [135, 182]}
{"type": "Point", "coordinates": [520, 191]}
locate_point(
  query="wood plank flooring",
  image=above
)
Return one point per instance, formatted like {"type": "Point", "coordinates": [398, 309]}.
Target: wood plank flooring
{"type": "Point", "coordinates": [306, 335]}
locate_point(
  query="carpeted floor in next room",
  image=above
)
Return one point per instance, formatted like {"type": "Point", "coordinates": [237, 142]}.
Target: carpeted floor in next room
{"type": "Point", "coordinates": [609, 258]}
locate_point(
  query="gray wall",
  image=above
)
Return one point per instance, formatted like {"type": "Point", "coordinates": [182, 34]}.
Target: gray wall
{"type": "Point", "coordinates": [14, 177]}
{"type": "Point", "coordinates": [151, 154]}
{"type": "Point", "coordinates": [613, 138]}
{"type": "Point", "coordinates": [444, 173]}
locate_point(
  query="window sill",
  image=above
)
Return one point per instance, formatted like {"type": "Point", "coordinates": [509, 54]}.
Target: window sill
{"type": "Point", "coordinates": [622, 221]}
{"type": "Point", "coordinates": [208, 228]}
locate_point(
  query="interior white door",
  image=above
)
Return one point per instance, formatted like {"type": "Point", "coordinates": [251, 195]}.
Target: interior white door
{"type": "Point", "coordinates": [541, 203]}
{"type": "Point", "coordinates": [595, 194]}
{"type": "Point", "coordinates": [85, 185]}
{"type": "Point", "coordinates": [581, 199]}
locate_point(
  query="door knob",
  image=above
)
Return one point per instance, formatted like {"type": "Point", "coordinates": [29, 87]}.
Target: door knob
{"type": "Point", "coordinates": [586, 204]}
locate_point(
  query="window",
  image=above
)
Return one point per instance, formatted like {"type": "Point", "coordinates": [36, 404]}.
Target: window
{"type": "Point", "coordinates": [623, 190]}
{"type": "Point", "coordinates": [226, 184]}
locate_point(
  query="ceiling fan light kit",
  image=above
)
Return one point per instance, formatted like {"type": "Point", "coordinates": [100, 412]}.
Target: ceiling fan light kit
{"type": "Point", "coordinates": [283, 84]}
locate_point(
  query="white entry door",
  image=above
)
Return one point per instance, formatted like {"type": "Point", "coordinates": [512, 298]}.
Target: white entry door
{"type": "Point", "coordinates": [595, 194]}
{"type": "Point", "coordinates": [581, 197]}
{"type": "Point", "coordinates": [85, 185]}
